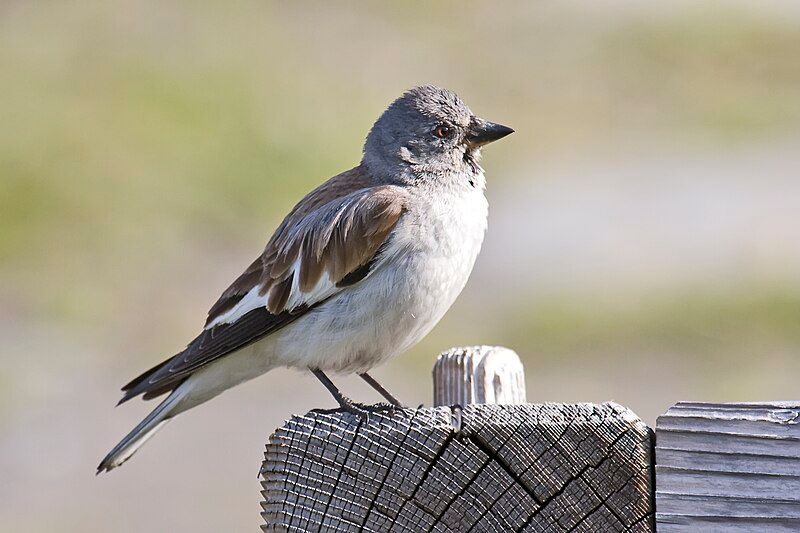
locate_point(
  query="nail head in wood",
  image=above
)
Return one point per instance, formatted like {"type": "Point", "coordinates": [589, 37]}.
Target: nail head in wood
{"type": "Point", "coordinates": [478, 374]}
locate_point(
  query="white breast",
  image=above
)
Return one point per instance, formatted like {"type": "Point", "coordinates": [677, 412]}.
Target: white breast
{"type": "Point", "coordinates": [428, 261]}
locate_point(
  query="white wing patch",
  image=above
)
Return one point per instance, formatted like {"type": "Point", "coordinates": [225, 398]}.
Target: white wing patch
{"type": "Point", "coordinates": [322, 290]}
{"type": "Point", "coordinates": [253, 300]}
{"type": "Point", "coordinates": [336, 238]}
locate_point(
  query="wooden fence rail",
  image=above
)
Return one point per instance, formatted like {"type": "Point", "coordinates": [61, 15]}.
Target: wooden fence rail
{"type": "Point", "coordinates": [729, 467]}
{"type": "Point", "coordinates": [482, 459]}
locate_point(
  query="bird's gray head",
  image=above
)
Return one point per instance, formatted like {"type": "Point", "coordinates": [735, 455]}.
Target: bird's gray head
{"type": "Point", "coordinates": [427, 133]}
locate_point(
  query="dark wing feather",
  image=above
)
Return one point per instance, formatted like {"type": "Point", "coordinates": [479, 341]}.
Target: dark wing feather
{"type": "Point", "coordinates": [209, 345]}
{"type": "Point", "coordinates": [338, 229]}
{"type": "Point", "coordinates": [250, 278]}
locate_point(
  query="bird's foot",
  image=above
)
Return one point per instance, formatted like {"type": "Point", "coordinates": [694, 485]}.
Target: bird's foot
{"type": "Point", "coordinates": [354, 409]}
{"type": "Point", "coordinates": [381, 407]}
{"type": "Point", "coordinates": [364, 410]}
{"type": "Point", "coordinates": [361, 410]}
{"type": "Point", "coordinates": [349, 406]}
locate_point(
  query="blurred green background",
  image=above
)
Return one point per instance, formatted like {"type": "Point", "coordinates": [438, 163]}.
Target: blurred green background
{"type": "Point", "coordinates": [644, 241]}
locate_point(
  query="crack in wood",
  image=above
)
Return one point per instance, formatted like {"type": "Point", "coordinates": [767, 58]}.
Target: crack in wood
{"type": "Point", "coordinates": [476, 439]}
{"type": "Point", "coordinates": [414, 471]}
{"type": "Point", "coordinates": [427, 472]}
{"type": "Point", "coordinates": [341, 471]}
{"type": "Point", "coordinates": [460, 493]}
{"type": "Point", "coordinates": [386, 474]}
{"type": "Point", "coordinates": [558, 493]}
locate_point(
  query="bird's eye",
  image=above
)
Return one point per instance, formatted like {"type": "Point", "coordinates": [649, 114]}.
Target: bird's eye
{"type": "Point", "coordinates": [442, 131]}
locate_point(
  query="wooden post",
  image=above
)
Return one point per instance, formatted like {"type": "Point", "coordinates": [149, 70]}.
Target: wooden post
{"type": "Point", "coordinates": [481, 467]}
{"type": "Point", "coordinates": [478, 374]}
{"type": "Point", "coordinates": [728, 467]}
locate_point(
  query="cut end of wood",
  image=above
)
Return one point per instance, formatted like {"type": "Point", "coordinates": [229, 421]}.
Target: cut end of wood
{"type": "Point", "coordinates": [478, 374]}
{"type": "Point", "coordinates": [527, 468]}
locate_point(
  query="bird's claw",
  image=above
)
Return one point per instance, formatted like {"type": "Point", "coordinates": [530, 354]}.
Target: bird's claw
{"type": "Point", "coordinates": [381, 407]}
{"type": "Point", "coordinates": [361, 410]}
{"type": "Point", "coordinates": [364, 410]}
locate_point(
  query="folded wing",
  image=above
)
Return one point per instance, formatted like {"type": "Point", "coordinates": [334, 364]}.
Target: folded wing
{"type": "Point", "coordinates": [331, 240]}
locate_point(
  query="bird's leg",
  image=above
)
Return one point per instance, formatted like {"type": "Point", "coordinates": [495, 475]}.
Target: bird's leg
{"type": "Point", "coordinates": [344, 402]}
{"type": "Point", "coordinates": [378, 387]}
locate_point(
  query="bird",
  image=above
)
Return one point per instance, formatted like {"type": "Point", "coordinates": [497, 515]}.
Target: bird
{"type": "Point", "coordinates": [360, 270]}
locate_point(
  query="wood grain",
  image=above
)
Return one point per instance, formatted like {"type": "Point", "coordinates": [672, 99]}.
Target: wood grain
{"type": "Point", "coordinates": [478, 374]}
{"type": "Point", "coordinates": [728, 467]}
{"type": "Point", "coordinates": [531, 467]}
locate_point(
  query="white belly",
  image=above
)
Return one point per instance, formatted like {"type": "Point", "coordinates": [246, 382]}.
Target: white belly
{"type": "Point", "coordinates": [428, 263]}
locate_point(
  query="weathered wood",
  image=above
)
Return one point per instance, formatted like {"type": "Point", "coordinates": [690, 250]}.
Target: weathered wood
{"type": "Point", "coordinates": [728, 467]}
{"type": "Point", "coordinates": [478, 374]}
{"type": "Point", "coordinates": [534, 468]}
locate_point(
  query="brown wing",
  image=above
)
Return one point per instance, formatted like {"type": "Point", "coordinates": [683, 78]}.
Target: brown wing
{"type": "Point", "coordinates": [329, 241]}
{"type": "Point", "coordinates": [259, 272]}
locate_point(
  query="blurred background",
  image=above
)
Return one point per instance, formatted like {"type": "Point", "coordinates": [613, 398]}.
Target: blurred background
{"type": "Point", "coordinates": [643, 243]}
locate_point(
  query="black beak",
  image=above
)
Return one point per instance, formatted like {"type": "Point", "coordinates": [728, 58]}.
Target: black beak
{"type": "Point", "coordinates": [483, 132]}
